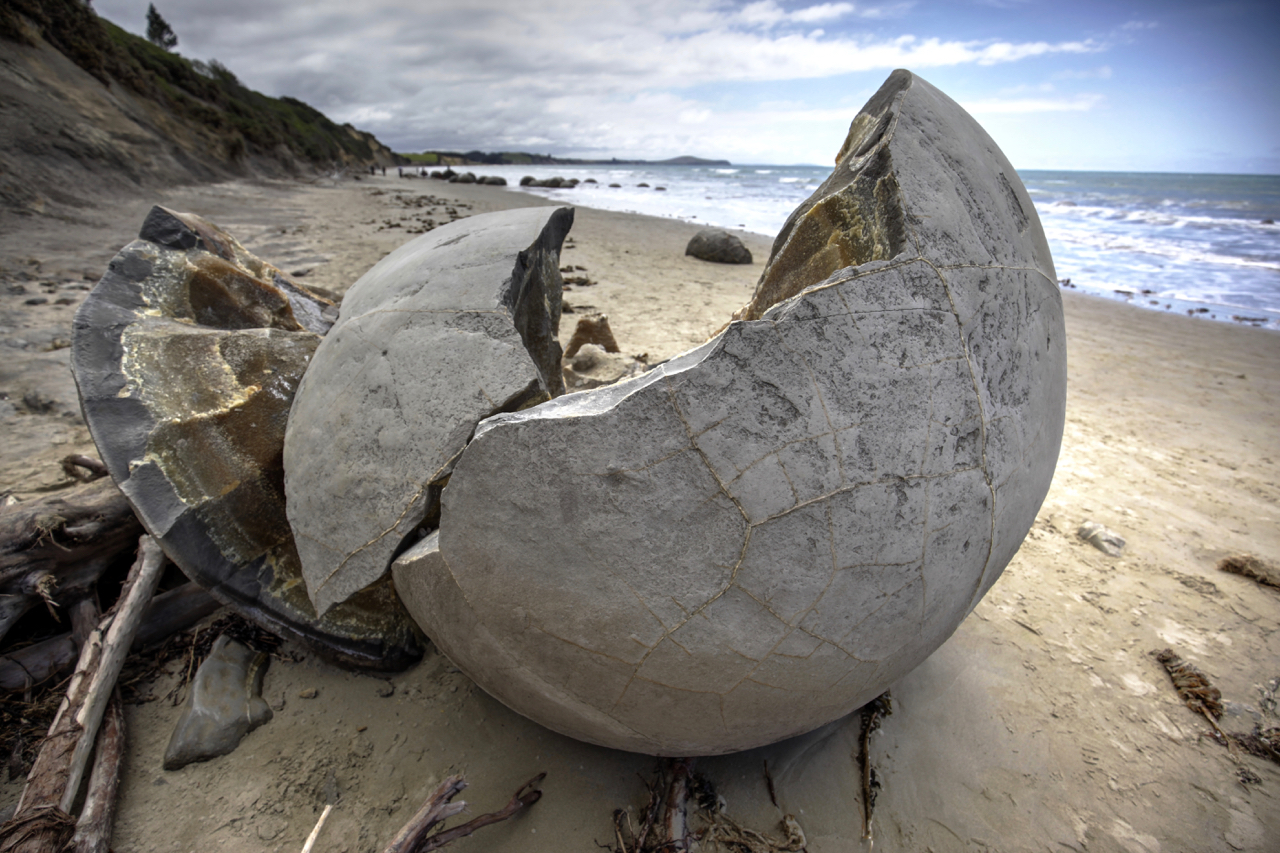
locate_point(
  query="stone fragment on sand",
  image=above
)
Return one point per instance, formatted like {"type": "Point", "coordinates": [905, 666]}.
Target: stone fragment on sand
{"type": "Point", "coordinates": [452, 327]}
{"type": "Point", "coordinates": [186, 355]}
{"type": "Point", "coordinates": [1104, 539]}
{"type": "Point", "coordinates": [224, 705]}
{"type": "Point", "coordinates": [718, 246]}
{"type": "Point", "coordinates": [594, 366]}
{"type": "Point", "coordinates": [760, 535]}
{"type": "Point", "coordinates": [592, 329]}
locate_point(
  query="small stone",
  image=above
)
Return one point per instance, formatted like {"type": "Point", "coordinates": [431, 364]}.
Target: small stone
{"type": "Point", "coordinates": [386, 689]}
{"type": "Point", "coordinates": [718, 246]}
{"type": "Point", "coordinates": [36, 300]}
{"type": "Point", "coordinates": [1105, 540]}
{"type": "Point", "coordinates": [308, 693]}
{"type": "Point", "coordinates": [17, 289]}
{"type": "Point", "coordinates": [224, 705]}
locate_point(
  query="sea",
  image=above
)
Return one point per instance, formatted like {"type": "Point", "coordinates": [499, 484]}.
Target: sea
{"type": "Point", "coordinates": [1203, 245]}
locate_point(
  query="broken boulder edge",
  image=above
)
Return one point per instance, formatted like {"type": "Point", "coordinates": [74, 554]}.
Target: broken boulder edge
{"type": "Point", "coordinates": [450, 328]}
{"type": "Point", "coordinates": [188, 287]}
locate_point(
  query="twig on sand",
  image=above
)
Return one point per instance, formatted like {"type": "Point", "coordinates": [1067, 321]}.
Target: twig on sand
{"type": "Point", "coordinates": [872, 713]}
{"type": "Point", "coordinates": [415, 837]}
{"type": "Point", "coordinates": [768, 779]}
{"type": "Point", "coordinates": [315, 833]}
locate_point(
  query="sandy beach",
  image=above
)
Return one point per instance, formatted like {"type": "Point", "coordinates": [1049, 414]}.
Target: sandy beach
{"type": "Point", "coordinates": [1043, 724]}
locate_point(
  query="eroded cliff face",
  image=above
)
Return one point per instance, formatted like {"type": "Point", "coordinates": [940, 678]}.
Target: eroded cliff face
{"type": "Point", "coordinates": [69, 137]}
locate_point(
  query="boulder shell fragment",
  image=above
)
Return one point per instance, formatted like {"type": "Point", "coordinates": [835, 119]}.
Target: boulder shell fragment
{"type": "Point", "coordinates": [454, 326]}
{"type": "Point", "coordinates": [762, 534]}
{"type": "Point", "coordinates": [186, 355]}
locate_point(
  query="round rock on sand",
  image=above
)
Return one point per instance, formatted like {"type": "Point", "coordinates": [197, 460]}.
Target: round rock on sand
{"type": "Point", "coordinates": [718, 246]}
{"type": "Point", "coordinates": [764, 533]}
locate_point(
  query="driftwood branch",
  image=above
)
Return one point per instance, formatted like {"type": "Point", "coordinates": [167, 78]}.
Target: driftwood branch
{"type": "Point", "coordinates": [166, 614]}
{"type": "Point", "coordinates": [83, 468]}
{"type": "Point", "coordinates": [872, 714]}
{"type": "Point", "coordinates": [93, 829]}
{"type": "Point", "coordinates": [42, 818]}
{"type": "Point", "coordinates": [53, 550]}
{"type": "Point", "coordinates": [676, 809]}
{"type": "Point", "coordinates": [415, 837]}
{"type": "Point", "coordinates": [69, 528]}
{"type": "Point", "coordinates": [141, 585]}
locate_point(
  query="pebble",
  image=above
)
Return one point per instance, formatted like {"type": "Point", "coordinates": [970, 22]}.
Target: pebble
{"type": "Point", "coordinates": [308, 693]}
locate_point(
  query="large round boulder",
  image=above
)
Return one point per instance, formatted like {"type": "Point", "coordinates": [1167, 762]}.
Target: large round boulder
{"type": "Point", "coordinates": [764, 533]}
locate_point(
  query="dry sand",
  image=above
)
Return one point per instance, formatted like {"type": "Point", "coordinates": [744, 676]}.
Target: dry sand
{"type": "Point", "coordinates": [1042, 724]}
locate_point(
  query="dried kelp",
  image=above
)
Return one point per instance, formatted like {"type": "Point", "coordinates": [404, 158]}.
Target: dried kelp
{"type": "Point", "coordinates": [673, 786]}
{"type": "Point", "coordinates": [1193, 687]}
{"type": "Point", "coordinates": [872, 714]}
{"type": "Point", "coordinates": [1264, 743]}
{"type": "Point", "coordinates": [1198, 694]}
{"type": "Point", "coordinates": [1252, 567]}
{"type": "Point", "coordinates": [192, 648]}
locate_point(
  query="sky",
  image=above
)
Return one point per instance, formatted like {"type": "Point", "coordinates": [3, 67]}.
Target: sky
{"type": "Point", "coordinates": [1124, 85]}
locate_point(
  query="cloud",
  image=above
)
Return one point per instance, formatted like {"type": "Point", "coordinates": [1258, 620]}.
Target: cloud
{"type": "Point", "coordinates": [1100, 73]}
{"type": "Point", "coordinates": [1078, 103]}
{"type": "Point", "coordinates": [565, 76]}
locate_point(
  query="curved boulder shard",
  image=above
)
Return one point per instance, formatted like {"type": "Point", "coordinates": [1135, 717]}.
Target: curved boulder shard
{"type": "Point", "coordinates": [450, 328]}
{"type": "Point", "coordinates": [186, 355]}
{"type": "Point", "coordinates": [764, 533]}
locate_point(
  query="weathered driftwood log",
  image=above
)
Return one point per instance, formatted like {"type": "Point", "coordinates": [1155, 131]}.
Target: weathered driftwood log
{"type": "Point", "coordinates": [415, 837]}
{"type": "Point", "coordinates": [54, 549]}
{"type": "Point", "coordinates": [167, 614]}
{"type": "Point", "coordinates": [41, 821]}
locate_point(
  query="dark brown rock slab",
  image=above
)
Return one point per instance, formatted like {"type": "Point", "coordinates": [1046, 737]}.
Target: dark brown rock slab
{"type": "Point", "coordinates": [187, 354]}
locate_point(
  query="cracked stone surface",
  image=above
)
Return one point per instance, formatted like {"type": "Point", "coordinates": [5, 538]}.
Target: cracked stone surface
{"type": "Point", "coordinates": [765, 532]}
{"type": "Point", "coordinates": [450, 328]}
{"type": "Point", "coordinates": [186, 355]}
{"type": "Point", "coordinates": [224, 705]}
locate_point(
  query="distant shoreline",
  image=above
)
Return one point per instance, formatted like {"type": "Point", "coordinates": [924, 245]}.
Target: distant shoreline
{"type": "Point", "coordinates": [522, 158]}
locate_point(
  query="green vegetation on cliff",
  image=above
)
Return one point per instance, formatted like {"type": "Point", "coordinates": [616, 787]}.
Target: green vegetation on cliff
{"type": "Point", "coordinates": [243, 122]}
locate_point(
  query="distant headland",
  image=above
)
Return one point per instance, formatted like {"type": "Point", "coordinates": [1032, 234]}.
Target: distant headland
{"type": "Point", "coordinates": [522, 158]}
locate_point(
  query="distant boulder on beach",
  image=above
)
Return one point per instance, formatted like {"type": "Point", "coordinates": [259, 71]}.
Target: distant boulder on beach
{"type": "Point", "coordinates": [718, 246]}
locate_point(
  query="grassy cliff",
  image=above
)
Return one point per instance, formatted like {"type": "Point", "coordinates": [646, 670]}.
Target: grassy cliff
{"type": "Point", "coordinates": [238, 122]}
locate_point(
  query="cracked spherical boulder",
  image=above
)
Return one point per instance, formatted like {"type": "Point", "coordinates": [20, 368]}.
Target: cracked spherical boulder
{"type": "Point", "coordinates": [452, 327]}
{"type": "Point", "coordinates": [767, 531]}
{"type": "Point", "coordinates": [187, 354]}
